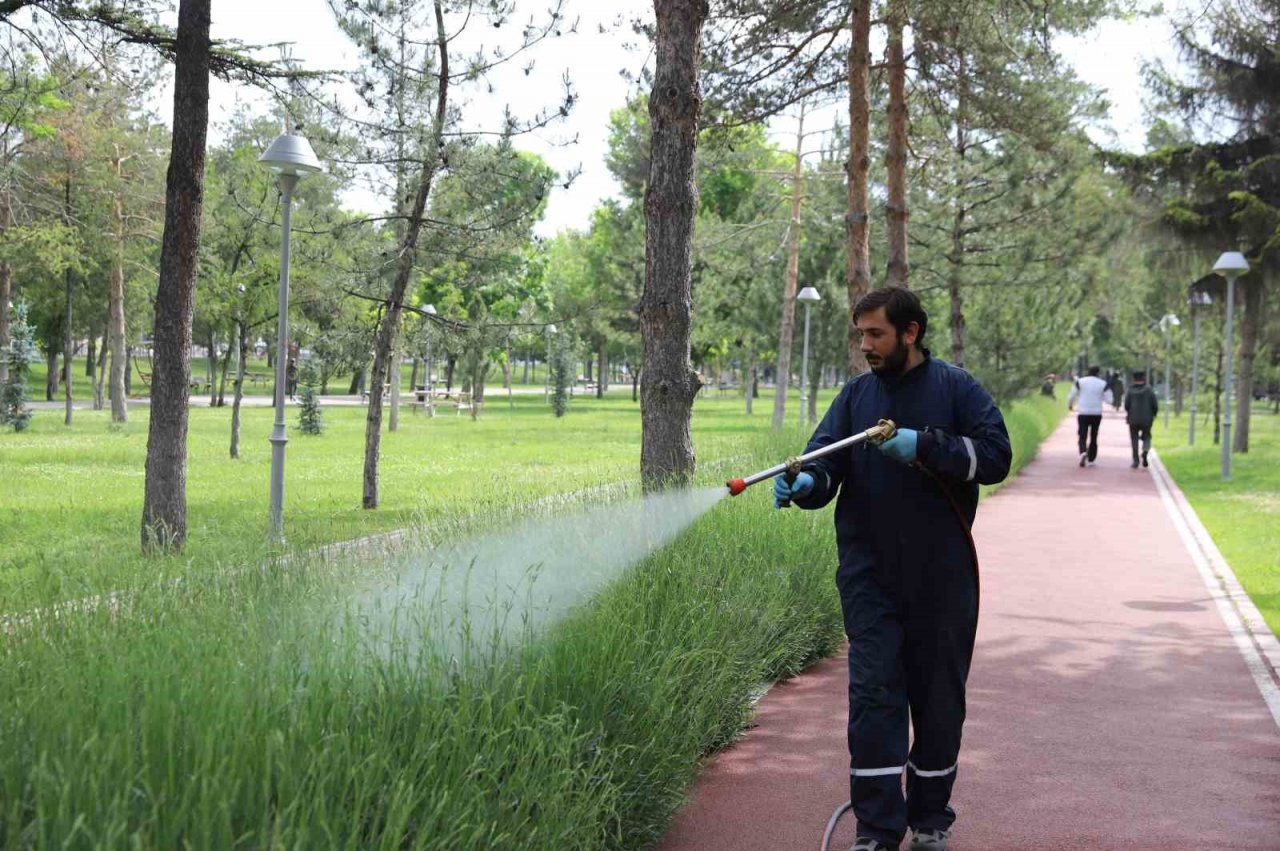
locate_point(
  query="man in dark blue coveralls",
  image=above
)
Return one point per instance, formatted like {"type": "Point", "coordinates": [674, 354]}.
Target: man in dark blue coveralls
{"type": "Point", "coordinates": [908, 573]}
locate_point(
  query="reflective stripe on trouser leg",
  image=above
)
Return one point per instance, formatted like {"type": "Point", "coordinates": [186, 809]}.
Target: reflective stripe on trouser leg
{"type": "Point", "coordinates": [878, 730]}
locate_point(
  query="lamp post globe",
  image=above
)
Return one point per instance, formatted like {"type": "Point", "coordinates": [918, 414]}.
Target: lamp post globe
{"type": "Point", "coordinates": [290, 157]}
{"type": "Point", "coordinates": [808, 295]}
{"type": "Point", "coordinates": [1230, 265]}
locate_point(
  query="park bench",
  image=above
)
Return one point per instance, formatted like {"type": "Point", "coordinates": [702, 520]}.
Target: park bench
{"type": "Point", "coordinates": [462, 403]}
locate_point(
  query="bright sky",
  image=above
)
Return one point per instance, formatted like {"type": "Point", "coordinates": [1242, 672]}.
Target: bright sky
{"type": "Point", "coordinates": [1109, 59]}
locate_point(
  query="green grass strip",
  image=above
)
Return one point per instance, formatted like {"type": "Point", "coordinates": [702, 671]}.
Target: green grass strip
{"type": "Point", "coordinates": [1242, 515]}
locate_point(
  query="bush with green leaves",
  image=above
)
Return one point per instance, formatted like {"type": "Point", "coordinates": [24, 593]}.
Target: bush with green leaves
{"type": "Point", "coordinates": [19, 354]}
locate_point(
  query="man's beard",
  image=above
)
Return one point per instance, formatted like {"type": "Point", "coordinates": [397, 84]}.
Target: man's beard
{"type": "Point", "coordinates": [891, 365]}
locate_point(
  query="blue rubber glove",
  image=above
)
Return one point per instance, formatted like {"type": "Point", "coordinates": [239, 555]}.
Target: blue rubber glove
{"type": "Point", "coordinates": [902, 446]}
{"type": "Point", "coordinates": [783, 492]}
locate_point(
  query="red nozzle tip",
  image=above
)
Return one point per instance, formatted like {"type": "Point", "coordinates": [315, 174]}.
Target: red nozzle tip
{"type": "Point", "coordinates": [736, 486]}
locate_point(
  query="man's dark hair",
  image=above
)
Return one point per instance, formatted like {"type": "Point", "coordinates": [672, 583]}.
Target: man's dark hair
{"type": "Point", "coordinates": [1139, 375]}
{"type": "Point", "coordinates": [1094, 370]}
{"type": "Point", "coordinates": [901, 308]}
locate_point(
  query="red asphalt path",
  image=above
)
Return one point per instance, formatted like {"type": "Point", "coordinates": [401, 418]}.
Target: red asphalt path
{"type": "Point", "coordinates": [1109, 706]}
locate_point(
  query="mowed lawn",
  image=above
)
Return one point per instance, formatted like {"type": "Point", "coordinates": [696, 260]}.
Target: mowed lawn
{"type": "Point", "coordinates": [1243, 515]}
{"type": "Point", "coordinates": [71, 499]}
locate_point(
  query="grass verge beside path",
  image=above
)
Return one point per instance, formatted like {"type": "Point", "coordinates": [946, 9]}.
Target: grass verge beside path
{"type": "Point", "coordinates": [248, 713]}
{"type": "Point", "coordinates": [1242, 515]}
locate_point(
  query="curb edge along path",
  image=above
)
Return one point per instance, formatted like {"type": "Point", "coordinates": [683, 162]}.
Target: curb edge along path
{"type": "Point", "coordinates": [1110, 709]}
{"type": "Point", "coordinates": [1258, 644]}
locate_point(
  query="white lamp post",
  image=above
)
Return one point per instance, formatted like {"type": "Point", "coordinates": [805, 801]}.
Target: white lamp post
{"type": "Point", "coordinates": [290, 157]}
{"type": "Point", "coordinates": [1230, 265]}
{"type": "Point", "coordinates": [1197, 299]}
{"type": "Point", "coordinates": [551, 329]}
{"type": "Point", "coordinates": [808, 295]}
{"type": "Point", "coordinates": [430, 310]}
{"type": "Point", "coordinates": [1166, 322]}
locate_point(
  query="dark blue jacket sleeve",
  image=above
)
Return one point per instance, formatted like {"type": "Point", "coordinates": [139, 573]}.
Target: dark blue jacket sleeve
{"type": "Point", "coordinates": [828, 471]}
{"type": "Point", "coordinates": [980, 452]}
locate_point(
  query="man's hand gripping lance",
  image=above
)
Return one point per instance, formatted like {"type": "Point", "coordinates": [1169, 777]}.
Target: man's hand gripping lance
{"type": "Point", "coordinates": [878, 433]}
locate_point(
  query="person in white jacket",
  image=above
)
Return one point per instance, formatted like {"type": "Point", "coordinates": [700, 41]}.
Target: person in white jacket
{"type": "Point", "coordinates": [1087, 398]}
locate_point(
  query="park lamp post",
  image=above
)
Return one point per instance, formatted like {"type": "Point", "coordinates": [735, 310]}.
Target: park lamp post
{"type": "Point", "coordinates": [289, 156]}
{"type": "Point", "coordinates": [551, 329]}
{"type": "Point", "coordinates": [429, 310]}
{"type": "Point", "coordinates": [1230, 265]}
{"type": "Point", "coordinates": [808, 295]}
{"type": "Point", "coordinates": [1167, 321]}
{"type": "Point", "coordinates": [1197, 299]}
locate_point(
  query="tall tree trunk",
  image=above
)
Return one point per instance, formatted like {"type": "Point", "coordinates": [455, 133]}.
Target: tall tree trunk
{"type": "Point", "coordinates": [6, 292]}
{"type": "Point", "coordinates": [405, 259]}
{"type": "Point", "coordinates": [786, 330]}
{"type": "Point", "coordinates": [602, 378]}
{"type": "Point", "coordinates": [116, 334]}
{"type": "Point", "coordinates": [164, 509]}
{"type": "Point", "coordinates": [857, 222]}
{"type": "Point", "coordinates": [68, 344]}
{"type": "Point", "coordinates": [1217, 399]}
{"type": "Point", "coordinates": [211, 368]}
{"type": "Point", "coordinates": [242, 352]}
{"type": "Point", "coordinates": [51, 382]}
{"type": "Point", "coordinates": [895, 158]}
{"type": "Point", "coordinates": [393, 423]}
{"type": "Point", "coordinates": [1249, 327]}
{"type": "Point", "coordinates": [668, 384]}
{"type": "Point", "coordinates": [815, 380]}
{"type": "Point", "coordinates": [749, 379]}
{"type": "Point", "coordinates": [222, 379]}
{"type": "Point", "coordinates": [955, 272]}
{"type": "Point", "coordinates": [6, 270]}
{"type": "Point", "coordinates": [99, 382]}
{"type": "Point", "coordinates": [91, 352]}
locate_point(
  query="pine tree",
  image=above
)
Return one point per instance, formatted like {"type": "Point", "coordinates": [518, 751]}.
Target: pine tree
{"type": "Point", "coordinates": [18, 356]}
{"type": "Point", "coordinates": [560, 377]}
{"type": "Point", "coordinates": [310, 417]}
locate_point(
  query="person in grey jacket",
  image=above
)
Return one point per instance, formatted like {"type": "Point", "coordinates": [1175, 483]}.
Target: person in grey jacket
{"type": "Point", "coordinates": [1140, 409]}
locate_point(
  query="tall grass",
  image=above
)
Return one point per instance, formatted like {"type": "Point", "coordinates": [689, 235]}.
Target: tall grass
{"type": "Point", "coordinates": [241, 713]}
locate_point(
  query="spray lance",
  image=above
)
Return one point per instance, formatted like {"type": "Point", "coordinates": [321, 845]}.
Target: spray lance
{"type": "Point", "coordinates": [878, 433]}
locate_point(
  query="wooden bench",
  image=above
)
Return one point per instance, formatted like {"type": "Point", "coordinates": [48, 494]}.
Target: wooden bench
{"type": "Point", "coordinates": [463, 402]}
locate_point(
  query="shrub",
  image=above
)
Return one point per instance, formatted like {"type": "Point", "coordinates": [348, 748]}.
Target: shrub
{"type": "Point", "coordinates": [19, 355]}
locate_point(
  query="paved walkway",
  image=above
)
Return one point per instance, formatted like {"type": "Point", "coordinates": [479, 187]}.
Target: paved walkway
{"type": "Point", "coordinates": [1109, 705]}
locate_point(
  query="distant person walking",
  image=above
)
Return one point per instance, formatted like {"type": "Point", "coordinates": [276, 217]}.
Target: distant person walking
{"type": "Point", "coordinates": [1086, 399]}
{"type": "Point", "coordinates": [1140, 409]}
{"type": "Point", "coordinates": [1117, 389]}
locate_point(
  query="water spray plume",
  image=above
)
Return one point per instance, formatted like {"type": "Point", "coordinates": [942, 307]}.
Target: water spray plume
{"type": "Point", "coordinates": [878, 433]}
{"type": "Point", "coordinates": [500, 588]}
